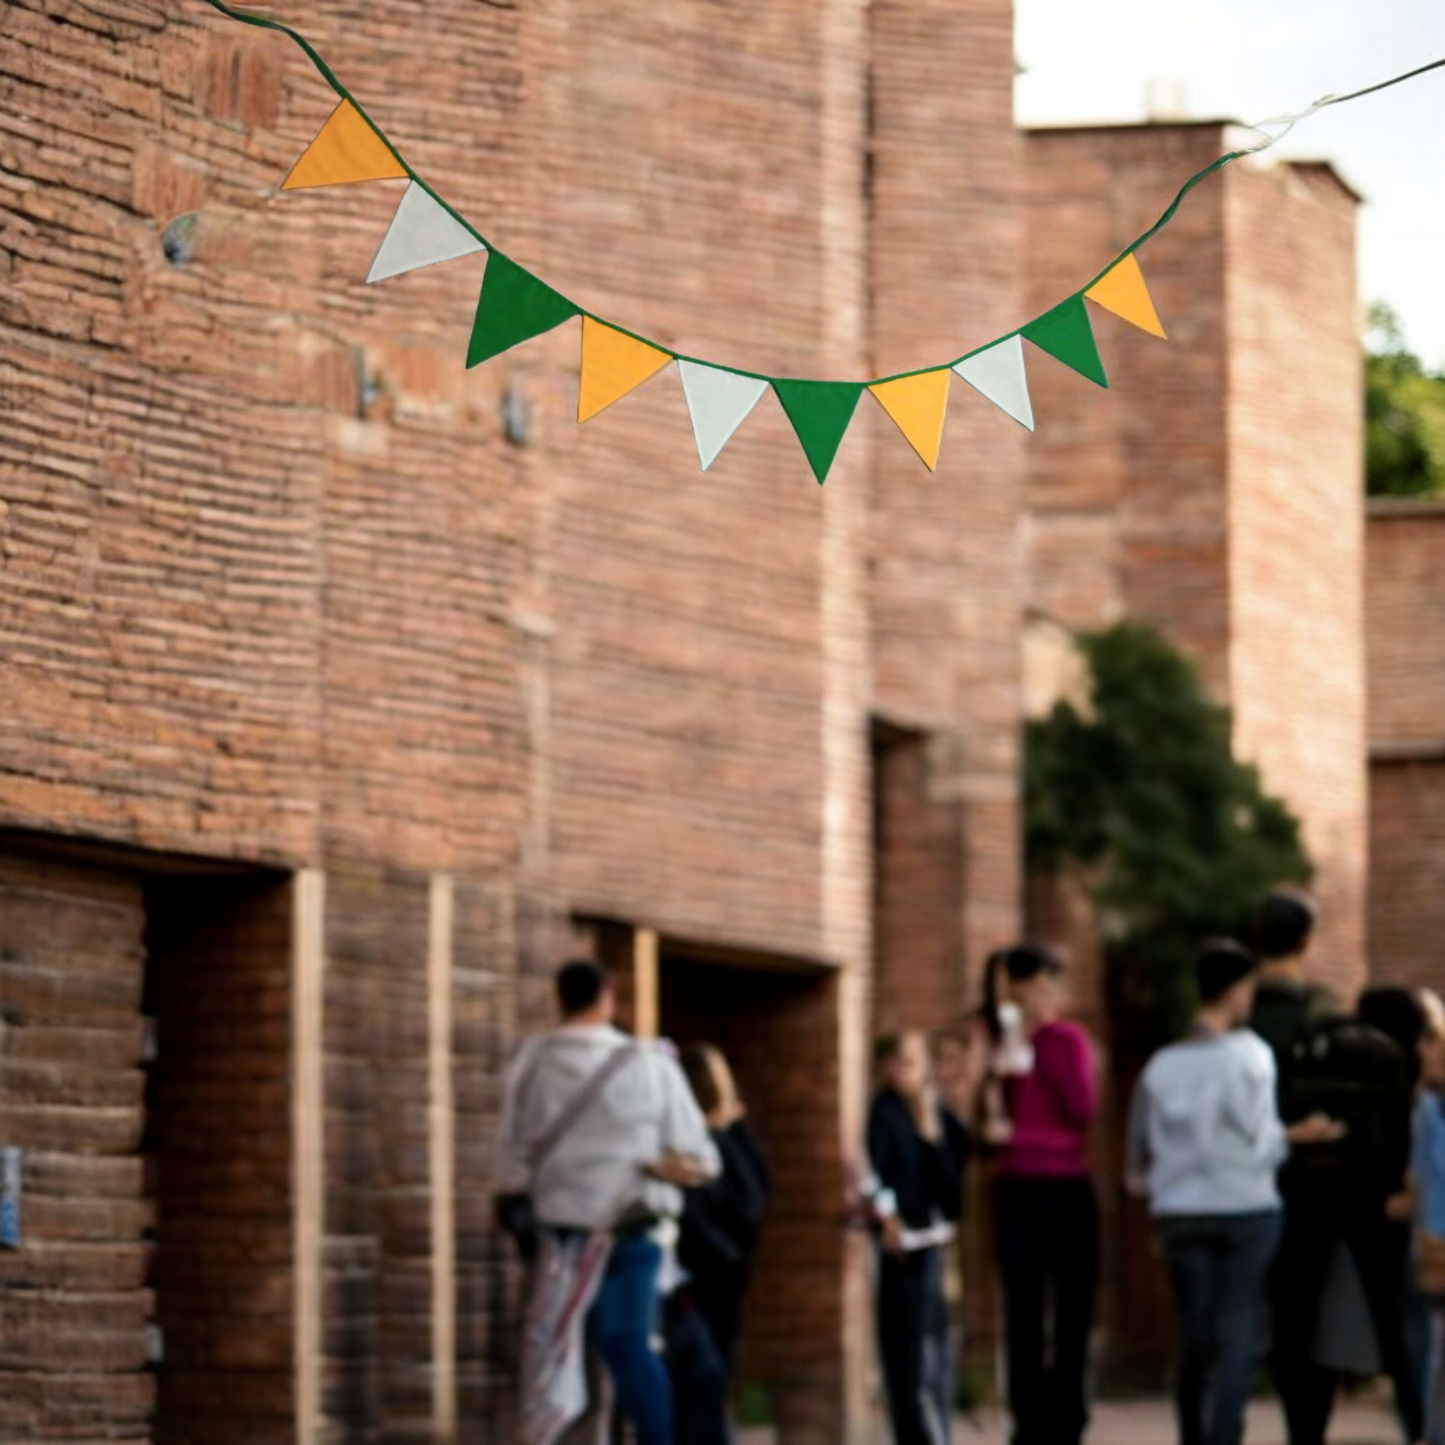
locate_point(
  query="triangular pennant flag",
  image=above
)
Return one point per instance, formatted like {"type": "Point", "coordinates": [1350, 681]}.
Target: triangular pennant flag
{"type": "Point", "coordinates": [345, 149]}
{"type": "Point", "coordinates": [514, 307]}
{"type": "Point", "coordinates": [1065, 333]}
{"type": "Point", "coordinates": [820, 412]}
{"type": "Point", "coordinates": [422, 232]}
{"type": "Point", "coordinates": [998, 373]}
{"type": "Point", "coordinates": [718, 402]}
{"type": "Point", "coordinates": [917, 404]}
{"type": "Point", "coordinates": [613, 363]}
{"type": "Point", "coordinates": [1122, 291]}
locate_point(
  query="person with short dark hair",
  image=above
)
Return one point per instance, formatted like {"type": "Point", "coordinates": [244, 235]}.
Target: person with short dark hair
{"type": "Point", "coordinates": [1286, 1000]}
{"type": "Point", "coordinates": [1337, 1069]}
{"type": "Point", "coordinates": [917, 1150]}
{"type": "Point", "coordinates": [1043, 1097]}
{"type": "Point", "coordinates": [601, 1132]}
{"type": "Point", "coordinates": [1204, 1143]}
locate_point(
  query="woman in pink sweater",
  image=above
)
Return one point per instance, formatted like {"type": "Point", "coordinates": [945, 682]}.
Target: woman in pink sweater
{"type": "Point", "coordinates": [1043, 1096]}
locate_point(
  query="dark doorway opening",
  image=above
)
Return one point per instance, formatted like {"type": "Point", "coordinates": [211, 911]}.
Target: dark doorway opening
{"type": "Point", "coordinates": [217, 1147]}
{"type": "Point", "coordinates": [778, 1027]}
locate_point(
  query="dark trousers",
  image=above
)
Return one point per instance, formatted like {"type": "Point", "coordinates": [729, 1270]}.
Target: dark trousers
{"type": "Point", "coordinates": [1218, 1266]}
{"type": "Point", "coordinates": [719, 1299]}
{"type": "Point", "coordinates": [1048, 1245]}
{"type": "Point", "coordinates": [1312, 1230]}
{"type": "Point", "coordinates": [915, 1347]}
{"type": "Point", "coordinates": [699, 1374]}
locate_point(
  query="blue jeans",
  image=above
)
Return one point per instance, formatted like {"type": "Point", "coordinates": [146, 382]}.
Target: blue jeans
{"type": "Point", "coordinates": [621, 1326]}
{"type": "Point", "coordinates": [1218, 1266]}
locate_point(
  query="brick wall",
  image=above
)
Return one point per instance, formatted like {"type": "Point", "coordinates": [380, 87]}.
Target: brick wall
{"type": "Point", "coordinates": [74, 1299]}
{"type": "Point", "coordinates": [1296, 532]}
{"type": "Point", "coordinates": [1406, 648]}
{"type": "Point", "coordinates": [1214, 490]}
{"type": "Point", "coordinates": [276, 590]}
{"type": "Point", "coordinates": [946, 248]}
{"type": "Point", "coordinates": [1127, 491]}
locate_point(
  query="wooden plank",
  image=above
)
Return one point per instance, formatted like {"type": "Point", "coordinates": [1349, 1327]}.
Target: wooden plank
{"type": "Point", "coordinates": [644, 983]}
{"type": "Point", "coordinates": [308, 1140]}
{"type": "Point", "coordinates": [441, 1114]}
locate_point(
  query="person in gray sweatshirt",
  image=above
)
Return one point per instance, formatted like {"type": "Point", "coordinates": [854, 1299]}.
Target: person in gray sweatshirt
{"type": "Point", "coordinates": [1205, 1142]}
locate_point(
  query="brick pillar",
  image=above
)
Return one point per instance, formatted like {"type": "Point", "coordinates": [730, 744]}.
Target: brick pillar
{"type": "Point", "coordinates": [73, 1298]}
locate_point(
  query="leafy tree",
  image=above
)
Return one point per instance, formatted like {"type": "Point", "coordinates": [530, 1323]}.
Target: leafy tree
{"type": "Point", "coordinates": [1404, 414]}
{"type": "Point", "coordinates": [1141, 796]}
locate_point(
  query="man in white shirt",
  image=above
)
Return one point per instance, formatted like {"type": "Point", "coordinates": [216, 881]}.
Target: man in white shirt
{"type": "Point", "coordinates": [603, 1133]}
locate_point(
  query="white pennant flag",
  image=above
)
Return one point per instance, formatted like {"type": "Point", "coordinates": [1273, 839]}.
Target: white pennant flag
{"type": "Point", "coordinates": [718, 402]}
{"type": "Point", "coordinates": [999, 374]}
{"type": "Point", "coordinates": [422, 232]}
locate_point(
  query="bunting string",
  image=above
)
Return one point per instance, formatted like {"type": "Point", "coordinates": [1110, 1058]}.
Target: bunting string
{"type": "Point", "coordinates": [515, 305]}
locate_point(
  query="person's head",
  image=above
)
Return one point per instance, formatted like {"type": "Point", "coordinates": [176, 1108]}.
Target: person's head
{"type": "Point", "coordinates": [584, 991]}
{"type": "Point", "coordinates": [1432, 1041]}
{"type": "Point", "coordinates": [951, 1058]}
{"type": "Point", "coordinates": [1283, 926]}
{"type": "Point", "coordinates": [1027, 974]}
{"type": "Point", "coordinates": [1400, 1014]}
{"type": "Point", "coordinates": [711, 1080]}
{"type": "Point", "coordinates": [1224, 976]}
{"type": "Point", "coordinates": [902, 1063]}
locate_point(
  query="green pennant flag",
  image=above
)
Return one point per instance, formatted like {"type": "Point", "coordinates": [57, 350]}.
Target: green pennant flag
{"type": "Point", "coordinates": [1066, 334]}
{"type": "Point", "coordinates": [820, 412]}
{"type": "Point", "coordinates": [514, 306]}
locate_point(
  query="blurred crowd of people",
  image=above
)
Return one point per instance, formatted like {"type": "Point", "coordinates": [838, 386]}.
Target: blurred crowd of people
{"type": "Point", "coordinates": [1291, 1151]}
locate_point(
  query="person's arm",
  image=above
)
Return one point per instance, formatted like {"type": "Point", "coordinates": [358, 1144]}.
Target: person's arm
{"type": "Point", "coordinates": [1064, 1061]}
{"type": "Point", "coordinates": [883, 1165]}
{"type": "Point", "coordinates": [1253, 1104]}
{"type": "Point", "coordinates": [689, 1155]}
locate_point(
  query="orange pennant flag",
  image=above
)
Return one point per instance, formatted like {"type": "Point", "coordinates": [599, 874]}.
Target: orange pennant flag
{"type": "Point", "coordinates": [1122, 291]}
{"type": "Point", "coordinates": [345, 149]}
{"type": "Point", "coordinates": [917, 404]}
{"type": "Point", "coordinates": [613, 363]}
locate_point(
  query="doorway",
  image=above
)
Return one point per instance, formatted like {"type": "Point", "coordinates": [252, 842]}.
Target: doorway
{"type": "Point", "coordinates": [777, 1023]}
{"type": "Point", "coordinates": [144, 1058]}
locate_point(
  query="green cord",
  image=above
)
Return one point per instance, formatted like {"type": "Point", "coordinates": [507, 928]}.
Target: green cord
{"type": "Point", "coordinates": [330, 78]}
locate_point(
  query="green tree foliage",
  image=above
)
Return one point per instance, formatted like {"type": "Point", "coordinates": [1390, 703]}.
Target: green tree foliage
{"type": "Point", "coordinates": [1404, 414]}
{"type": "Point", "coordinates": [1140, 795]}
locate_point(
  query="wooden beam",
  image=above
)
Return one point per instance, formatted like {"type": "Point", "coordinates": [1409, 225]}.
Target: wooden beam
{"type": "Point", "coordinates": [308, 1142]}
{"type": "Point", "coordinates": [441, 1146]}
{"type": "Point", "coordinates": [644, 983]}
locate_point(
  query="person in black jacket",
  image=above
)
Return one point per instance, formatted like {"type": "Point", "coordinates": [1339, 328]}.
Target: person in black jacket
{"type": "Point", "coordinates": [916, 1150]}
{"type": "Point", "coordinates": [1336, 1191]}
{"type": "Point", "coordinates": [721, 1220]}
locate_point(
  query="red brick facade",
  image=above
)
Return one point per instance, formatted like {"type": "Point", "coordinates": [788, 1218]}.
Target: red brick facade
{"type": "Point", "coordinates": [1406, 637]}
{"type": "Point", "coordinates": [278, 593]}
{"type": "Point", "coordinates": [1215, 489]}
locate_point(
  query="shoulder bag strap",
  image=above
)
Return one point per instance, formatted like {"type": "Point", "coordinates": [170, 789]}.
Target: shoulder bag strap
{"type": "Point", "coordinates": [578, 1104]}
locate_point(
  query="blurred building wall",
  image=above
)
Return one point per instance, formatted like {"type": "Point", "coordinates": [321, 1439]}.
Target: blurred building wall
{"type": "Point", "coordinates": [1406, 633]}
{"type": "Point", "coordinates": [281, 595]}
